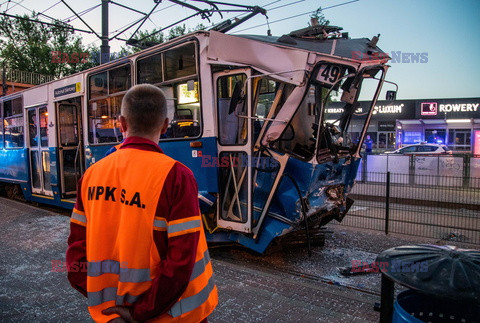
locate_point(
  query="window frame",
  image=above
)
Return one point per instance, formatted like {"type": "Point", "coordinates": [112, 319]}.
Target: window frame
{"type": "Point", "coordinates": [175, 82]}
{"type": "Point", "coordinates": [106, 97]}
{"type": "Point", "coordinates": [16, 116]}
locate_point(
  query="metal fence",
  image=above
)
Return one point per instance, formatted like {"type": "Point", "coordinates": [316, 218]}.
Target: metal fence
{"type": "Point", "coordinates": [429, 206]}
{"type": "Point", "coordinates": [441, 170]}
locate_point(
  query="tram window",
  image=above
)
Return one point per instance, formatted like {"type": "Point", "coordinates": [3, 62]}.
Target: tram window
{"type": "Point", "coordinates": [119, 79]}
{"type": "Point", "coordinates": [150, 69]}
{"type": "Point", "coordinates": [13, 123]}
{"type": "Point", "coordinates": [232, 129]}
{"type": "Point", "coordinates": [103, 120]}
{"type": "Point", "coordinates": [105, 102]}
{"type": "Point", "coordinates": [1, 125]}
{"type": "Point", "coordinates": [180, 62]}
{"type": "Point", "coordinates": [98, 85]}
{"type": "Point", "coordinates": [43, 127]}
{"type": "Point", "coordinates": [32, 128]}
{"type": "Point", "coordinates": [183, 110]}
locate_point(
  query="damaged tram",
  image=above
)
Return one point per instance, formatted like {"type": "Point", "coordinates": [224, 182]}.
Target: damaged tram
{"type": "Point", "coordinates": [249, 116]}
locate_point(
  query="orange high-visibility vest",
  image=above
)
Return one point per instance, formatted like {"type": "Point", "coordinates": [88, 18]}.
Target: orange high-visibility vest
{"type": "Point", "coordinates": [120, 200]}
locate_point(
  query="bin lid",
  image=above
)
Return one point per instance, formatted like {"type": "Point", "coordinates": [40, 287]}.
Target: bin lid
{"type": "Point", "coordinates": [444, 271]}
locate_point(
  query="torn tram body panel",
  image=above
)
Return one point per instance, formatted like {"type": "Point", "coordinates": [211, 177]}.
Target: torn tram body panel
{"type": "Point", "coordinates": [301, 162]}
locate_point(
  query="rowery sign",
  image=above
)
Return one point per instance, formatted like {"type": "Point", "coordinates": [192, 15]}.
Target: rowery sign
{"type": "Point", "coordinates": [433, 108]}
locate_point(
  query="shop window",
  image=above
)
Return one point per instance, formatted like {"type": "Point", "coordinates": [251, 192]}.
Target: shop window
{"type": "Point", "coordinates": [13, 123]}
{"type": "Point", "coordinates": [459, 139]}
{"type": "Point", "coordinates": [435, 136]}
{"type": "Point", "coordinates": [412, 137]}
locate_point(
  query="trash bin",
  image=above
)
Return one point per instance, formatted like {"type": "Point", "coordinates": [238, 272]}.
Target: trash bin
{"type": "Point", "coordinates": [444, 283]}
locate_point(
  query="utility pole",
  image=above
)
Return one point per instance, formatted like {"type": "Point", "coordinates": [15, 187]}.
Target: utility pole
{"type": "Point", "coordinates": [104, 48]}
{"type": "Point", "coordinates": [4, 79]}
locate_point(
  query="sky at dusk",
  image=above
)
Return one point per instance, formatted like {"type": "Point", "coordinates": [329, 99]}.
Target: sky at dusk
{"type": "Point", "coordinates": [446, 32]}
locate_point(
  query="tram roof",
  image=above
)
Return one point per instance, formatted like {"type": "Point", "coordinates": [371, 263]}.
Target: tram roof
{"type": "Point", "coordinates": [349, 48]}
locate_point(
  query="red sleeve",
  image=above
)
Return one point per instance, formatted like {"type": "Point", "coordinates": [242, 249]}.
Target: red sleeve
{"type": "Point", "coordinates": [179, 200]}
{"type": "Point", "coordinates": [76, 256]}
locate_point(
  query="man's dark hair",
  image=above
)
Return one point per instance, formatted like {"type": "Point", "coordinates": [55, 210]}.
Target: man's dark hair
{"type": "Point", "coordinates": [145, 108]}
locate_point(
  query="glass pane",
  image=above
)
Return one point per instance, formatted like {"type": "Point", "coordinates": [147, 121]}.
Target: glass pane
{"type": "Point", "coordinates": [35, 169]}
{"type": "Point", "coordinates": [98, 85]}
{"type": "Point", "coordinates": [180, 62]}
{"type": "Point", "coordinates": [13, 132]}
{"type": "Point", "coordinates": [67, 115]}
{"type": "Point", "coordinates": [103, 122]}
{"type": "Point", "coordinates": [232, 128]}
{"type": "Point", "coordinates": [43, 126]}
{"type": "Point", "coordinates": [183, 110]}
{"type": "Point", "coordinates": [47, 185]}
{"type": "Point", "coordinates": [32, 128]}
{"type": "Point", "coordinates": [12, 107]}
{"type": "Point", "coordinates": [233, 185]}
{"type": "Point", "coordinates": [451, 137]}
{"type": "Point", "coordinates": [71, 170]}
{"type": "Point", "coordinates": [150, 70]}
{"type": "Point", "coordinates": [119, 79]}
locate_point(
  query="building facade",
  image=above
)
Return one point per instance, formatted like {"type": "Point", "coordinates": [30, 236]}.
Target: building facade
{"type": "Point", "coordinates": [454, 122]}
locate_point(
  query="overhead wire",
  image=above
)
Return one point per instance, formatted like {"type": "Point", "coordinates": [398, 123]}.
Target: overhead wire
{"type": "Point", "coordinates": [16, 4]}
{"type": "Point", "coordinates": [84, 12]}
{"type": "Point", "coordinates": [48, 8]}
{"type": "Point", "coordinates": [295, 16]}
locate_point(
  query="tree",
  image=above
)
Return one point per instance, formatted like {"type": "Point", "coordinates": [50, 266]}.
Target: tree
{"type": "Point", "coordinates": [318, 16]}
{"type": "Point", "coordinates": [31, 46]}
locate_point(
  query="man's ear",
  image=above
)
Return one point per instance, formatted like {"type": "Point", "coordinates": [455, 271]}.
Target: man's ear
{"type": "Point", "coordinates": [123, 123]}
{"type": "Point", "coordinates": [165, 126]}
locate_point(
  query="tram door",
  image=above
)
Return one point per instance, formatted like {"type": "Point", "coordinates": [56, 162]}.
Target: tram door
{"type": "Point", "coordinates": [70, 145]}
{"type": "Point", "coordinates": [39, 152]}
{"type": "Point", "coordinates": [234, 149]}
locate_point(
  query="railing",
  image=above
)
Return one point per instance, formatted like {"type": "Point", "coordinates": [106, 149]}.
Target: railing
{"type": "Point", "coordinates": [27, 77]}
{"type": "Point", "coordinates": [441, 170]}
{"type": "Point", "coordinates": [432, 206]}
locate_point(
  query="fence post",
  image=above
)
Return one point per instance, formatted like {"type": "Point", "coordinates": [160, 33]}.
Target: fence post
{"type": "Point", "coordinates": [387, 203]}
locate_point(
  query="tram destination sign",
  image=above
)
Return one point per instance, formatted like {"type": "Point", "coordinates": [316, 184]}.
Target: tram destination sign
{"type": "Point", "coordinates": [65, 90]}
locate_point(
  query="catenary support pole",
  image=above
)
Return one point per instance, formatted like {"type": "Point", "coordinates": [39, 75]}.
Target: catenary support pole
{"type": "Point", "coordinates": [104, 48]}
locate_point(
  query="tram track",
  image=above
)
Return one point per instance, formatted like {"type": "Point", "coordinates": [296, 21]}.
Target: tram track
{"type": "Point", "coordinates": [291, 273]}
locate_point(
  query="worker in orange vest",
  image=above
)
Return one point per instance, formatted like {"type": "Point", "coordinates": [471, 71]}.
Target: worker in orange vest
{"type": "Point", "coordinates": [137, 248]}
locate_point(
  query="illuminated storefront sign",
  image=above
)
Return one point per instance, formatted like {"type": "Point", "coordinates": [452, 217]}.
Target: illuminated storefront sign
{"type": "Point", "coordinates": [429, 108]}
{"type": "Point", "coordinates": [433, 108]}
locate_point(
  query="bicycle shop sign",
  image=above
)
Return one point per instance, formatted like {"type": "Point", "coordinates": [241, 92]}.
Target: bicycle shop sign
{"type": "Point", "coordinates": [433, 108]}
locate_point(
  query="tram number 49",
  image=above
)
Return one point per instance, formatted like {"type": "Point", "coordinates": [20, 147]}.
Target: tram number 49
{"type": "Point", "coordinates": [329, 74]}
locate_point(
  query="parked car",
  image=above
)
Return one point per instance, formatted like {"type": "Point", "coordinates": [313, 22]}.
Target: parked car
{"type": "Point", "coordinates": [422, 149]}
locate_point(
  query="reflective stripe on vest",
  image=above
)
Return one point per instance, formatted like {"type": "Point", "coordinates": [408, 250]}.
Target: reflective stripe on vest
{"type": "Point", "coordinates": [190, 303]}
{"type": "Point", "coordinates": [110, 294]}
{"type": "Point", "coordinates": [126, 275]}
{"type": "Point", "coordinates": [78, 217]}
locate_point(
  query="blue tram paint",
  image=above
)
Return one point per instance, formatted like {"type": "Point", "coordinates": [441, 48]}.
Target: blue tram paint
{"type": "Point", "coordinates": [14, 165]}
{"type": "Point", "coordinates": [179, 150]}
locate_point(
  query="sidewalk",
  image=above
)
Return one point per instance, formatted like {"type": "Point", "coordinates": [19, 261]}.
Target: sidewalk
{"type": "Point", "coordinates": [31, 238]}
